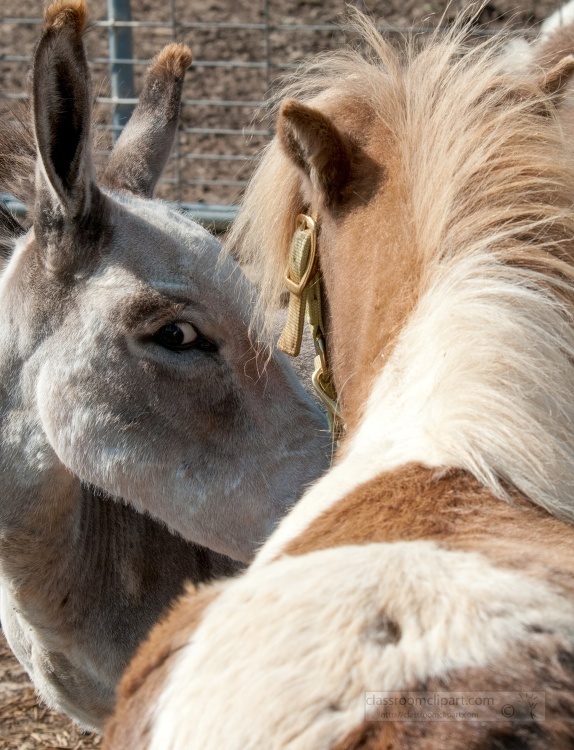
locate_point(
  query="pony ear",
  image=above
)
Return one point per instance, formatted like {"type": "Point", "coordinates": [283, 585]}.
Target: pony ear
{"type": "Point", "coordinates": [142, 150]}
{"type": "Point", "coordinates": [61, 113]}
{"type": "Point", "coordinates": [316, 146]}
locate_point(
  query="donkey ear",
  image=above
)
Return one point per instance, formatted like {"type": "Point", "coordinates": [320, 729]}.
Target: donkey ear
{"type": "Point", "coordinates": [62, 113]}
{"type": "Point", "coordinates": [316, 146]}
{"type": "Point", "coordinates": [142, 150]}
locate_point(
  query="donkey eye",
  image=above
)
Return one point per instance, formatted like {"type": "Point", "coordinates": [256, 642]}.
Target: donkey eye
{"type": "Point", "coordinates": [176, 336]}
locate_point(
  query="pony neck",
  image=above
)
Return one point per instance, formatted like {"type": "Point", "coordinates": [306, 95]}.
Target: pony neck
{"type": "Point", "coordinates": [479, 379]}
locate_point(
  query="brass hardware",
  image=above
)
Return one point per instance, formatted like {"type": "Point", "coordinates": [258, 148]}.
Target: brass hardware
{"type": "Point", "coordinates": [297, 287]}
{"type": "Point", "coordinates": [306, 297]}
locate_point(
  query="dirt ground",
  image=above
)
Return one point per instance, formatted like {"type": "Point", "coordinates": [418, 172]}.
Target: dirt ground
{"type": "Point", "coordinates": [25, 724]}
{"type": "Point", "coordinates": [202, 176]}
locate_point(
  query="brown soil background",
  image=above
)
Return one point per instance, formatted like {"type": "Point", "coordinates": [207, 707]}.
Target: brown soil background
{"type": "Point", "coordinates": [24, 723]}
{"type": "Point", "coordinates": [193, 158]}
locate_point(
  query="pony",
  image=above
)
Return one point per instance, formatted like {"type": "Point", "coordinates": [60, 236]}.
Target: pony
{"type": "Point", "coordinates": [554, 42]}
{"type": "Point", "coordinates": [141, 444]}
{"type": "Point", "coordinates": [434, 561]}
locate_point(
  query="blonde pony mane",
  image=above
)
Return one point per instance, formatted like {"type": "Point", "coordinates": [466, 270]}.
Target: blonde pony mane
{"type": "Point", "coordinates": [475, 169]}
{"type": "Point", "coordinates": [481, 376]}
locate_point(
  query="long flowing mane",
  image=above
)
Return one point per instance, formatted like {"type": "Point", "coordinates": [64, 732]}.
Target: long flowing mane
{"type": "Point", "coordinates": [475, 169]}
{"type": "Point", "coordinates": [488, 187]}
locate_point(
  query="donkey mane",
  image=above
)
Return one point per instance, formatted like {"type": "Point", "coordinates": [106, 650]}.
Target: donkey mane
{"type": "Point", "coordinates": [487, 214]}
{"type": "Point", "coordinates": [17, 153]}
{"type": "Point", "coordinates": [17, 163]}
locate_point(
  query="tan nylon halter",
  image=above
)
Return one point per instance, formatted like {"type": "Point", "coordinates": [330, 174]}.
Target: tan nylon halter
{"type": "Point", "coordinates": [303, 281]}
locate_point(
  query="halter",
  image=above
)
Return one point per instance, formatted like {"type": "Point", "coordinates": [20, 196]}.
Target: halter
{"type": "Point", "coordinates": [303, 280]}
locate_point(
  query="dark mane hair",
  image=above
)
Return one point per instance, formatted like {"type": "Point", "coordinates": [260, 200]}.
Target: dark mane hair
{"type": "Point", "coordinates": [17, 152]}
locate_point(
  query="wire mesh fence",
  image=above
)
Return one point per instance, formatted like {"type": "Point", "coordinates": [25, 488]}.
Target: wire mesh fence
{"type": "Point", "coordinates": [240, 48]}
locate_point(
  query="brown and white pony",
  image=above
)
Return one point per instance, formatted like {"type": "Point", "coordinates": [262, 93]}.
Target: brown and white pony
{"type": "Point", "coordinates": [132, 405]}
{"type": "Point", "coordinates": [437, 555]}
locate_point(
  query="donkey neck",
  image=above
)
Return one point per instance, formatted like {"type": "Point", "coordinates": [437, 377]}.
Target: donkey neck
{"type": "Point", "coordinates": [107, 574]}
{"type": "Point", "coordinates": [83, 576]}
{"type": "Point", "coordinates": [100, 550]}
{"type": "Point", "coordinates": [47, 515]}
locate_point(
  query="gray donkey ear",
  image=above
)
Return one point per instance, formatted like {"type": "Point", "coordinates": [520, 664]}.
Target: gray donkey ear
{"type": "Point", "coordinates": [142, 150]}
{"type": "Point", "coordinates": [61, 94]}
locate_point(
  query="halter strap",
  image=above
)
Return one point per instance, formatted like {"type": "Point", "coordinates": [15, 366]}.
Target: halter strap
{"type": "Point", "coordinates": [303, 280]}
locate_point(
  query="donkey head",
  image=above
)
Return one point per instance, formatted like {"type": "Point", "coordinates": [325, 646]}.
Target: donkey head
{"type": "Point", "coordinates": [127, 359]}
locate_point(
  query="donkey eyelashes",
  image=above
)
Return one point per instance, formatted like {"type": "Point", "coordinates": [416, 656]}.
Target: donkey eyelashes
{"type": "Point", "coordinates": [181, 336]}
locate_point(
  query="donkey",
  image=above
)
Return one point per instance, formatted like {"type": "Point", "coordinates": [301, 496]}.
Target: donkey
{"type": "Point", "coordinates": [437, 554]}
{"type": "Point", "coordinates": [140, 443]}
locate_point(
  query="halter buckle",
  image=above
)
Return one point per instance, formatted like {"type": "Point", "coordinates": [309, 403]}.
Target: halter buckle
{"type": "Point", "coordinates": [304, 298]}
{"type": "Point", "coordinates": [297, 287]}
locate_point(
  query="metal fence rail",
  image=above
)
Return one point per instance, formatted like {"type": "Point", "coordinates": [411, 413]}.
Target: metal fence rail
{"type": "Point", "coordinates": [239, 52]}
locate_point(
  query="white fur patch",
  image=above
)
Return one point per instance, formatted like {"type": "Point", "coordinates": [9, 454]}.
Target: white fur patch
{"type": "Point", "coordinates": [283, 658]}
{"type": "Point", "coordinates": [562, 17]}
{"type": "Point", "coordinates": [10, 271]}
{"type": "Point", "coordinates": [517, 56]}
{"type": "Point", "coordinates": [481, 379]}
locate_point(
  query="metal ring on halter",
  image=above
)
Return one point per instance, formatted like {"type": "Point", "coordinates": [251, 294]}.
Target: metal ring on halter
{"type": "Point", "coordinates": [306, 297]}
{"type": "Point", "coordinates": [330, 403]}
{"type": "Point", "coordinates": [319, 342]}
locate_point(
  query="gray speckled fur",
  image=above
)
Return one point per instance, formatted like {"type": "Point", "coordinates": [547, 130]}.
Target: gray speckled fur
{"type": "Point", "coordinates": [125, 468]}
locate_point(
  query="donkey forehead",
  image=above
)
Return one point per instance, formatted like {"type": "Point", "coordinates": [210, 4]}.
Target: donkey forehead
{"type": "Point", "coordinates": [117, 286]}
{"type": "Point", "coordinates": [159, 260]}
{"type": "Point", "coordinates": [151, 236]}
{"type": "Point", "coordinates": [116, 296]}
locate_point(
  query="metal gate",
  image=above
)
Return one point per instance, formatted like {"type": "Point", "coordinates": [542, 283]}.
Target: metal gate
{"type": "Point", "coordinates": [240, 47]}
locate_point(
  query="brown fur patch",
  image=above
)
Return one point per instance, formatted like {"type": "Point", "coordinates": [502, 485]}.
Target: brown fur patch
{"type": "Point", "coordinates": [145, 676]}
{"type": "Point", "coordinates": [66, 13]}
{"type": "Point", "coordinates": [369, 315]}
{"type": "Point", "coordinates": [557, 78]}
{"type": "Point", "coordinates": [173, 60]}
{"type": "Point", "coordinates": [453, 509]}
{"type": "Point", "coordinates": [548, 669]}
{"type": "Point", "coordinates": [555, 47]}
